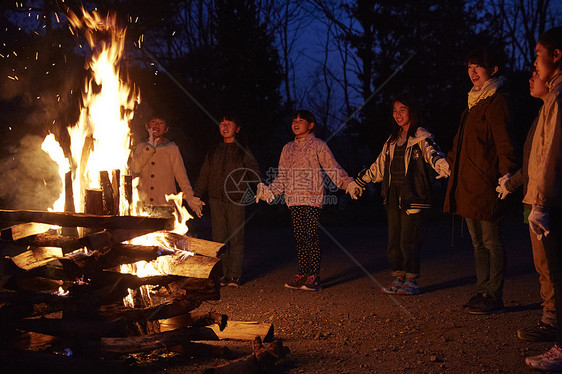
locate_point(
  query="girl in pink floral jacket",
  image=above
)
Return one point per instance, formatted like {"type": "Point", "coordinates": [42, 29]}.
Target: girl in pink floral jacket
{"type": "Point", "coordinates": [303, 164]}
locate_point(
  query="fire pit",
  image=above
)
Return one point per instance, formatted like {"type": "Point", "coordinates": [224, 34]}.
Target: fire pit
{"type": "Point", "coordinates": [86, 290]}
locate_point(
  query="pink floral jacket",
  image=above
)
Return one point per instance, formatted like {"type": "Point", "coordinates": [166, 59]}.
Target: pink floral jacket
{"type": "Point", "coordinates": [303, 166]}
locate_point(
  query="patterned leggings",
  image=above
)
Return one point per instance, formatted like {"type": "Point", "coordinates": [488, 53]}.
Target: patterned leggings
{"type": "Point", "coordinates": [305, 229]}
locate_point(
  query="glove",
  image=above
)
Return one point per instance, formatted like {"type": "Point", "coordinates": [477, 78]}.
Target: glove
{"type": "Point", "coordinates": [501, 189]}
{"type": "Point", "coordinates": [539, 221]}
{"type": "Point", "coordinates": [354, 190]}
{"type": "Point", "coordinates": [442, 168]}
{"type": "Point", "coordinates": [264, 193]}
{"type": "Point", "coordinates": [196, 205]}
{"type": "Point", "coordinates": [151, 139]}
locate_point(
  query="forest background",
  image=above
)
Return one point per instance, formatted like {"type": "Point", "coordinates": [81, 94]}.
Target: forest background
{"type": "Point", "coordinates": [195, 59]}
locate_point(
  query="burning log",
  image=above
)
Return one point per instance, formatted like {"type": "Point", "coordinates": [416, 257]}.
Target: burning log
{"type": "Point", "coordinates": [69, 204]}
{"type": "Point", "coordinates": [128, 188]}
{"type": "Point", "coordinates": [37, 257]}
{"type": "Point", "coordinates": [107, 193]}
{"type": "Point", "coordinates": [24, 230]}
{"type": "Point", "coordinates": [11, 217]}
{"type": "Point", "coordinates": [116, 186]}
{"type": "Point", "coordinates": [93, 201]}
{"type": "Point", "coordinates": [262, 360]}
{"type": "Point", "coordinates": [195, 245]}
{"type": "Point", "coordinates": [66, 243]}
{"type": "Point", "coordinates": [162, 311]}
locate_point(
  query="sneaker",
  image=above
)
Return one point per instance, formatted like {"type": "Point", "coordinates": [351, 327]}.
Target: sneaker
{"type": "Point", "coordinates": [224, 281]}
{"type": "Point", "coordinates": [548, 361]}
{"type": "Point", "coordinates": [486, 305]}
{"type": "Point", "coordinates": [473, 300]}
{"type": "Point", "coordinates": [541, 332]}
{"type": "Point", "coordinates": [312, 283]}
{"type": "Point", "coordinates": [296, 283]}
{"type": "Point", "coordinates": [410, 287]}
{"type": "Point", "coordinates": [393, 288]}
{"type": "Point", "coordinates": [234, 282]}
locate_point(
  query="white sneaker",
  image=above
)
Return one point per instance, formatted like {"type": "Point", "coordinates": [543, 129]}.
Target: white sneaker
{"type": "Point", "coordinates": [548, 361]}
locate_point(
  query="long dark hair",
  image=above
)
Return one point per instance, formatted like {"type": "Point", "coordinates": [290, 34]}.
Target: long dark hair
{"type": "Point", "coordinates": [413, 111]}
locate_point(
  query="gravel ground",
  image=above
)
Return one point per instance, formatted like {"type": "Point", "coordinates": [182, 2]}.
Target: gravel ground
{"type": "Point", "coordinates": [351, 327]}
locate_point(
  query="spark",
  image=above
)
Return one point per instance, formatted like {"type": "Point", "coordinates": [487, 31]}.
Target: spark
{"type": "Point", "coordinates": [15, 54]}
{"type": "Point", "coordinates": [36, 56]}
{"type": "Point", "coordinates": [57, 17]}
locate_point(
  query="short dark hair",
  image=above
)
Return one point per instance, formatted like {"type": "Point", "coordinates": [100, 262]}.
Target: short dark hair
{"type": "Point", "coordinates": [305, 114]}
{"type": "Point", "coordinates": [230, 117]}
{"type": "Point", "coordinates": [159, 116]}
{"type": "Point", "coordinates": [485, 56]}
{"type": "Point", "coordinates": [551, 40]}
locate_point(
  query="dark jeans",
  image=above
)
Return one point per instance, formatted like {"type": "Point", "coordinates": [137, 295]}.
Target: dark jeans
{"type": "Point", "coordinates": [227, 221]}
{"type": "Point", "coordinates": [404, 238]}
{"type": "Point", "coordinates": [553, 250]}
{"type": "Point", "coordinates": [489, 256]}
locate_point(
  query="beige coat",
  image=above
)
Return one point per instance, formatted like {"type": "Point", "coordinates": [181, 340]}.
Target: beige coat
{"type": "Point", "coordinates": [544, 187]}
{"type": "Point", "coordinates": [158, 169]}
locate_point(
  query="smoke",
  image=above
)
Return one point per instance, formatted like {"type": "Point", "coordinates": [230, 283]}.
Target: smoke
{"type": "Point", "coordinates": [30, 177]}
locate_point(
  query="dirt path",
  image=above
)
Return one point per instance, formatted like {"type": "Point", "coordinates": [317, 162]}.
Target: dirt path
{"type": "Point", "coordinates": [351, 327]}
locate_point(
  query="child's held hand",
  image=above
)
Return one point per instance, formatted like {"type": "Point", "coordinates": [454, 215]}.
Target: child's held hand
{"type": "Point", "coordinates": [264, 193]}
{"type": "Point", "coordinates": [442, 168]}
{"type": "Point", "coordinates": [354, 190]}
{"type": "Point", "coordinates": [196, 205]}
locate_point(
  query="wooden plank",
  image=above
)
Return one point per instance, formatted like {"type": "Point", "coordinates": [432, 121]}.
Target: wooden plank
{"type": "Point", "coordinates": [12, 217]}
{"type": "Point", "coordinates": [23, 230]}
{"type": "Point", "coordinates": [192, 266]}
{"type": "Point", "coordinates": [37, 257]}
{"type": "Point", "coordinates": [162, 311]}
{"type": "Point", "coordinates": [145, 343]}
{"type": "Point", "coordinates": [239, 330]}
{"type": "Point", "coordinates": [195, 245]}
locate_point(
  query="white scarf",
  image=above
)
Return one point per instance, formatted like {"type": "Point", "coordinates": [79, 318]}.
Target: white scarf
{"type": "Point", "coordinates": [488, 89]}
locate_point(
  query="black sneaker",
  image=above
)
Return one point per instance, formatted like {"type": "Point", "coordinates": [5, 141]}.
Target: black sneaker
{"type": "Point", "coordinates": [312, 283]}
{"type": "Point", "coordinates": [473, 300]}
{"type": "Point", "coordinates": [486, 305]}
{"type": "Point", "coordinates": [541, 332]}
{"type": "Point", "coordinates": [296, 283]}
{"type": "Point", "coordinates": [234, 282]}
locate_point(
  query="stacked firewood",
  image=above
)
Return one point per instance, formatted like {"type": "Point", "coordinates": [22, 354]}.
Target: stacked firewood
{"type": "Point", "coordinates": [64, 279]}
{"type": "Point", "coordinates": [71, 288]}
